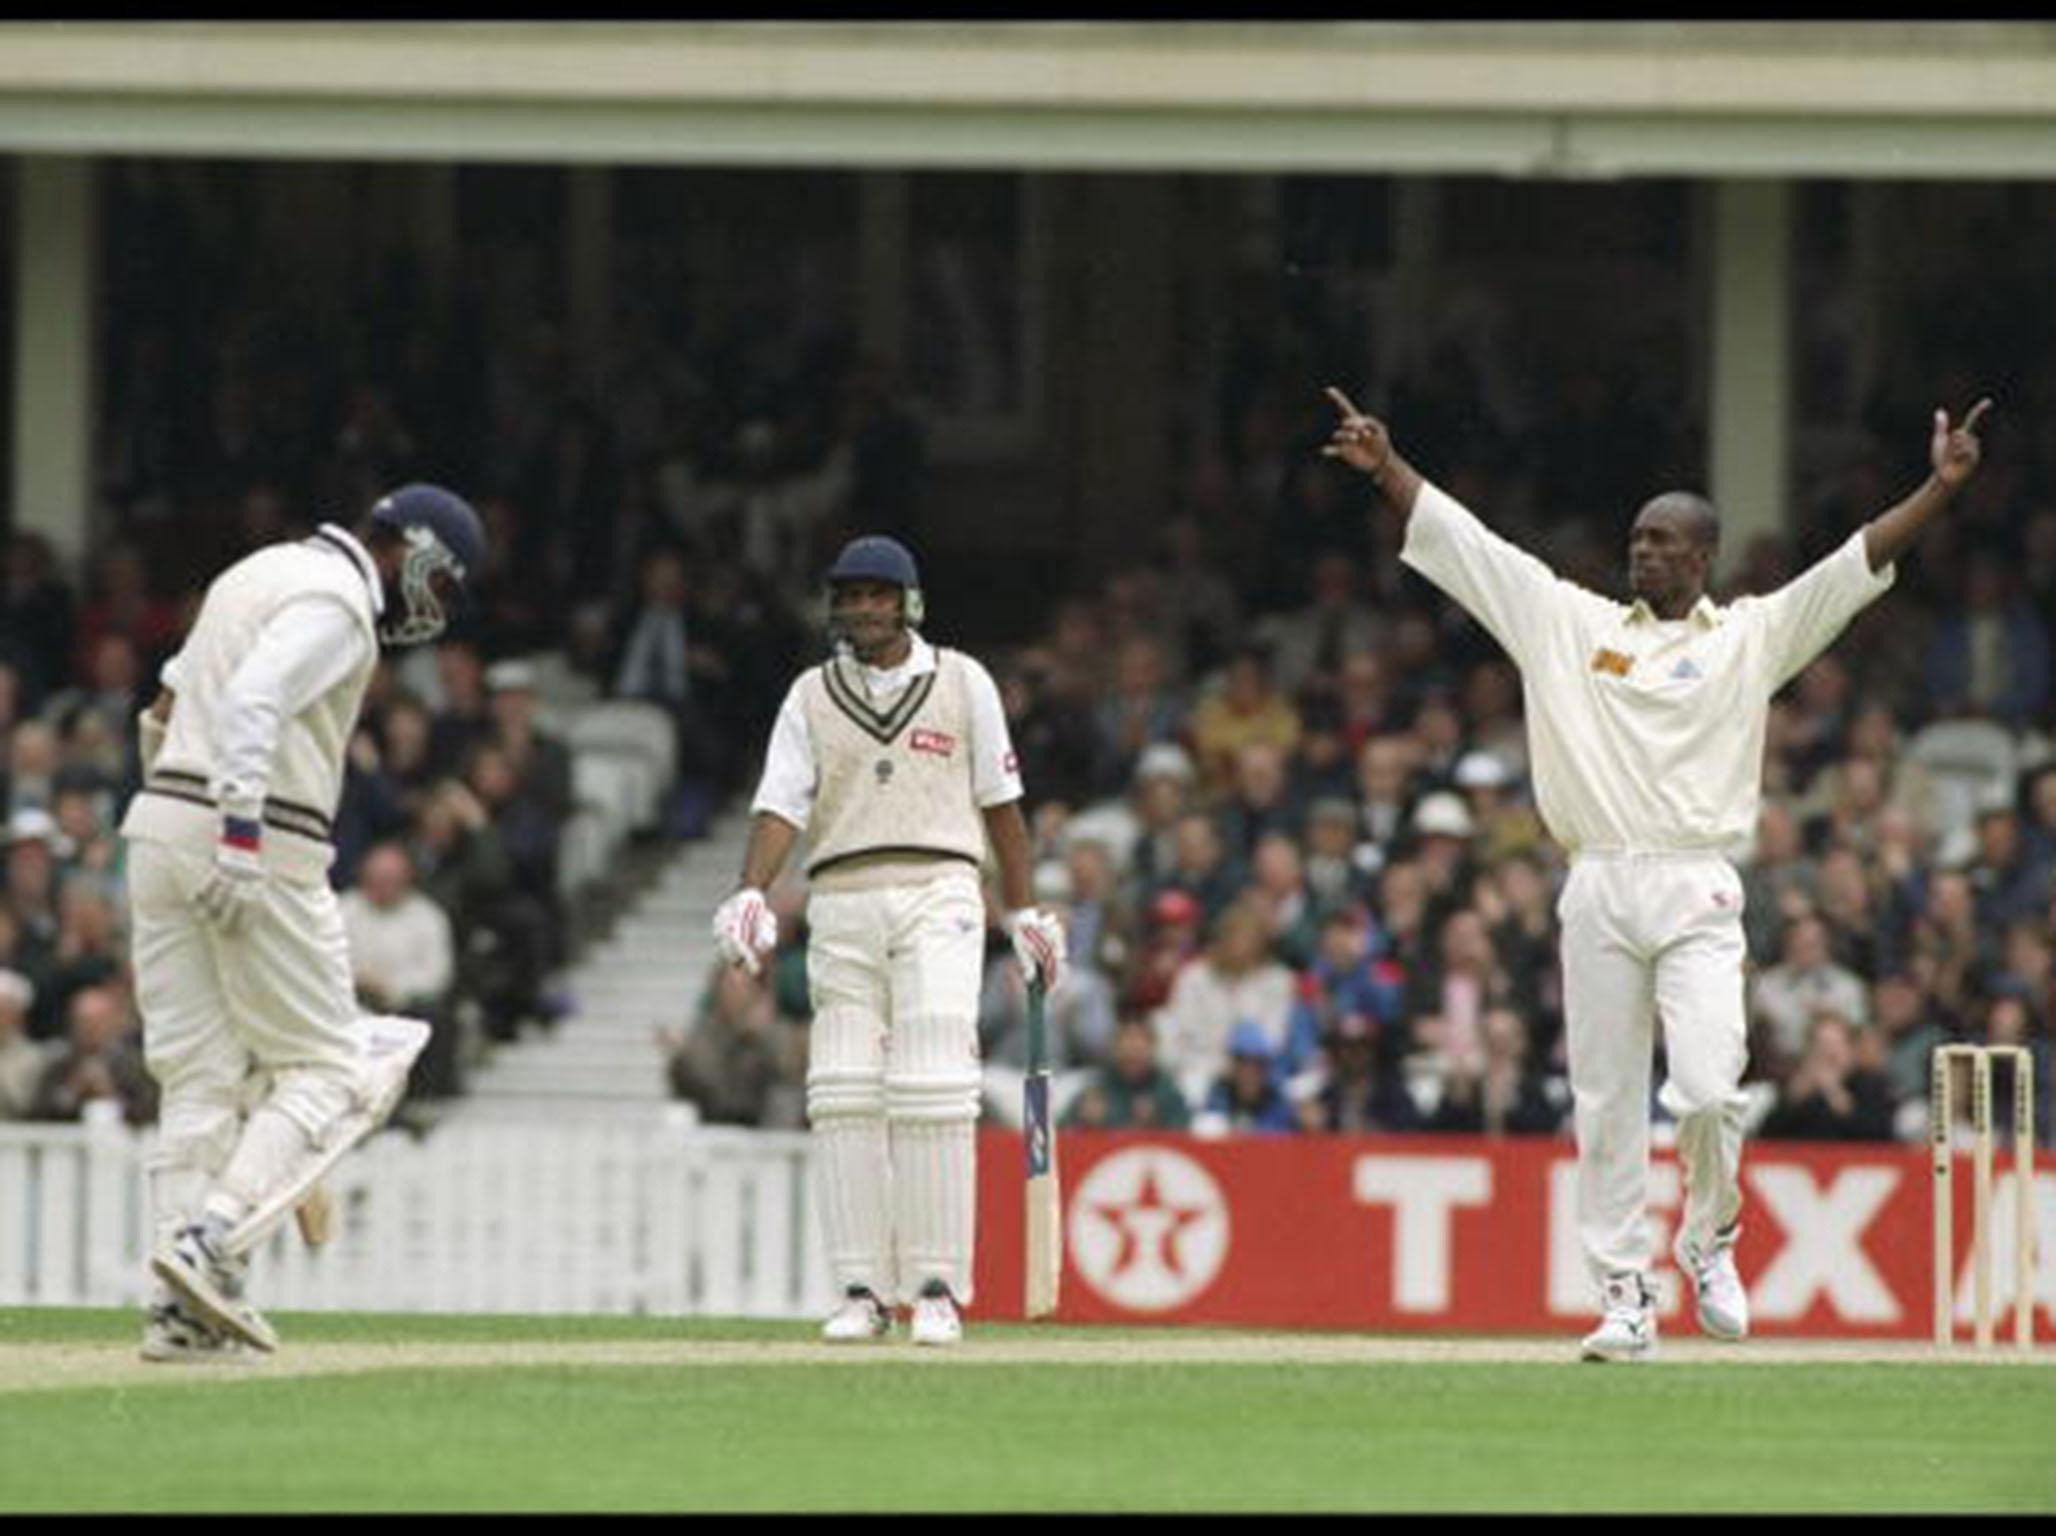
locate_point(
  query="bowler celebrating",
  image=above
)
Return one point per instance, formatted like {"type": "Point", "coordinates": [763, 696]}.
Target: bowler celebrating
{"type": "Point", "coordinates": [1646, 725]}
{"type": "Point", "coordinates": [242, 970]}
{"type": "Point", "coordinates": [893, 758]}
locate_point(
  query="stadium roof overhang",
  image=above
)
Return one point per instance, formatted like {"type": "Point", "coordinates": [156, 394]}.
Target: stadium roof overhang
{"type": "Point", "coordinates": [1898, 100]}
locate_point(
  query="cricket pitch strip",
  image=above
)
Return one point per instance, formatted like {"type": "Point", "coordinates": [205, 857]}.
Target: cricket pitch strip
{"type": "Point", "coordinates": [48, 1367]}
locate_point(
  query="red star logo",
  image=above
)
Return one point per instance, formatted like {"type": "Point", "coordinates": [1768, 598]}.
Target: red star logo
{"type": "Point", "coordinates": [1147, 1219]}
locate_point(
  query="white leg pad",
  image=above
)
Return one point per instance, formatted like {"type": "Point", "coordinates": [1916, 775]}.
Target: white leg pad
{"type": "Point", "coordinates": [270, 1175]}
{"type": "Point", "coordinates": [852, 1177]}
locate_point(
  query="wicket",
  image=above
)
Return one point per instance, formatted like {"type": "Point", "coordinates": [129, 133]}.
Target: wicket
{"type": "Point", "coordinates": [1941, 1150]}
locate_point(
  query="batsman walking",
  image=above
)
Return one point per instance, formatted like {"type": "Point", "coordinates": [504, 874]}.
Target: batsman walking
{"type": "Point", "coordinates": [893, 759]}
{"type": "Point", "coordinates": [269, 1069]}
{"type": "Point", "coordinates": [1646, 724]}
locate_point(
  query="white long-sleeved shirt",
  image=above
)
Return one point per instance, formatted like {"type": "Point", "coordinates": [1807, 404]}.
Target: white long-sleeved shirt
{"type": "Point", "coordinates": [790, 776]}
{"type": "Point", "coordinates": [305, 649]}
{"type": "Point", "coordinates": [1643, 735]}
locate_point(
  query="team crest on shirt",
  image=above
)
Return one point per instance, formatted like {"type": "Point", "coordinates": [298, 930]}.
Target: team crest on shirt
{"type": "Point", "coordinates": [941, 743]}
{"type": "Point", "coordinates": [1685, 670]}
{"type": "Point", "coordinates": [1611, 662]}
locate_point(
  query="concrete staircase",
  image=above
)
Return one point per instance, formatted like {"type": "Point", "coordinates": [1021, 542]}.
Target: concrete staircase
{"type": "Point", "coordinates": [646, 974]}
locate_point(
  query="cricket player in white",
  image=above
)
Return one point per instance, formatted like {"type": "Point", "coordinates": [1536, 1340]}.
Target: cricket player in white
{"type": "Point", "coordinates": [893, 759]}
{"type": "Point", "coordinates": [1646, 726]}
{"type": "Point", "coordinates": [269, 1072]}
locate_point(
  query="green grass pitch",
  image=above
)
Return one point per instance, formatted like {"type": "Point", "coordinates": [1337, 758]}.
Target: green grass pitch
{"type": "Point", "coordinates": [720, 1430]}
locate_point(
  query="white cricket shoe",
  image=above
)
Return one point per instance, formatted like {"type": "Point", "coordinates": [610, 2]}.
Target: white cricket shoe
{"type": "Point", "coordinates": [935, 1319]}
{"type": "Point", "coordinates": [211, 1284]}
{"type": "Point", "coordinates": [1716, 1286]}
{"type": "Point", "coordinates": [1627, 1330]}
{"type": "Point", "coordinates": [171, 1333]}
{"type": "Point", "coordinates": [860, 1319]}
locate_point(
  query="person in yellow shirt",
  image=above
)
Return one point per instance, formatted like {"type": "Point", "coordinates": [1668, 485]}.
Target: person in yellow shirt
{"type": "Point", "coordinates": [1646, 723]}
{"type": "Point", "coordinates": [1248, 708]}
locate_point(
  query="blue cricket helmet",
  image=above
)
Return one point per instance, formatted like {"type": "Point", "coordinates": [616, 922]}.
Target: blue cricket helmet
{"type": "Point", "coordinates": [876, 557]}
{"type": "Point", "coordinates": [442, 534]}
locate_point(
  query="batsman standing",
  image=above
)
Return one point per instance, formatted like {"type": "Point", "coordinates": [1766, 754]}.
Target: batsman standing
{"type": "Point", "coordinates": [269, 1070]}
{"type": "Point", "coordinates": [892, 758]}
{"type": "Point", "coordinates": [1646, 725]}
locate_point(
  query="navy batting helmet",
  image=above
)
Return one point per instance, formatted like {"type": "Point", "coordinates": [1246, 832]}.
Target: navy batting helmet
{"type": "Point", "coordinates": [874, 557]}
{"type": "Point", "coordinates": [442, 536]}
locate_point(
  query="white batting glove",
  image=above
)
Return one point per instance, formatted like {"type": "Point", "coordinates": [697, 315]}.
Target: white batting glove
{"type": "Point", "coordinates": [745, 929]}
{"type": "Point", "coordinates": [235, 887]}
{"type": "Point", "coordinates": [1038, 946]}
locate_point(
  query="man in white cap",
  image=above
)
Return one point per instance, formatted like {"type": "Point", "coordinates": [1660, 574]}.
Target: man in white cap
{"type": "Point", "coordinates": [1646, 725]}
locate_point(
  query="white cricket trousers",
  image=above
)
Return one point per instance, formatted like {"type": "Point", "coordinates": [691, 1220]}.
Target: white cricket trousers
{"type": "Point", "coordinates": [1648, 937]}
{"type": "Point", "coordinates": [893, 1079]}
{"type": "Point", "coordinates": [277, 997]}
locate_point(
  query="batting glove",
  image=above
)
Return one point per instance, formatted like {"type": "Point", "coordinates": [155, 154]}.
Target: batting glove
{"type": "Point", "coordinates": [1038, 945]}
{"type": "Point", "coordinates": [235, 887]}
{"type": "Point", "coordinates": [745, 929]}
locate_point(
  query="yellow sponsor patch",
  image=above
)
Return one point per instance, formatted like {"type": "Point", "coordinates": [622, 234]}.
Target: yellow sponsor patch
{"type": "Point", "coordinates": [1604, 660]}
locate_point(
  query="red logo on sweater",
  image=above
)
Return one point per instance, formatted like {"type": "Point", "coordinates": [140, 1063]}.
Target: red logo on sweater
{"type": "Point", "coordinates": [939, 742]}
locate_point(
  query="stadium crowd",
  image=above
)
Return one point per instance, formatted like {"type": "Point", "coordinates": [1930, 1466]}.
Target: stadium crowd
{"type": "Point", "coordinates": [1277, 784]}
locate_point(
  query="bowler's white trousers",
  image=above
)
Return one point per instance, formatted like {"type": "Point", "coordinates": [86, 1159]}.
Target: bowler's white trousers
{"type": "Point", "coordinates": [893, 1078]}
{"type": "Point", "coordinates": [1649, 936]}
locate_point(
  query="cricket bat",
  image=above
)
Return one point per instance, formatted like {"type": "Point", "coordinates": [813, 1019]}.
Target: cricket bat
{"type": "Point", "coordinates": [1045, 1207]}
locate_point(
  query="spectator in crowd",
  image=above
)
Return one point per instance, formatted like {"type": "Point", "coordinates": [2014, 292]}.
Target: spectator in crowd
{"type": "Point", "coordinates": [1442, 837]}
{"type": "Point", "coordinates": [662, 664]}
{"type": "Point", "coordinates": [88, 952]}
{"type": "Point", "coordinates": [1360, 1091]}
{"type": "Point", "coordinates": [1142, 710]}
{"type": "Point", "coordinates": [1235, 981]}
{"type": "Point", "coordinates": [1257, 804]}
{"type": "Point", "coordinates": [1248, 1094]}
{"type": "Point", "coordinates": [404, 957]}
{"type": "Point", "coordinates": [22, 1060]}
{"type": "Point", "coordinates": [35, 755]}
{"type": "Point", "coordinates": [1873, 737]}
{"type": "Point", "coordinates": [1519, 903]}
{"type": "Point", "coordinates": [1848, 910]}
{"type": "Point", "coordinates": [1447, 1001]}
{"type": "Point", "coordinates": [1777, 883]}
{"type": "Point", "coordinates": [1804, 983]}
{"type": "Point", "coordinates": [101, 1059]}
{"type": "Point", "coordinates": [1132, 1091]}
{"type": "Point", "coordinates": [2006, 883]}
{"type": "Point", "coordinates": [1335, 874]}
{"type": "Point", "coordinates": [1500, 1091]}
{"type": "Point", "coordinates": [1505, 828]}
{"type": "Point", "coordinates": [1831, 1094]}
{"type": "Point", "coordinates": [1248, 708]}
{"type": "Point", "coordinates": [461, 720]}
{"type": "Point", "coordinates": [1908, 1034]}
{"type": "Point", "coordinates": [739, 1064]}
{"type": "Point", "coordinates": [1277, 881]}
{"type": "Point", "coordinates": [1160, 796]}
{"type": "Point", "coordinates": [1385, 771]}
{"type": "Point", "coordinates": [1990, 657]}
{"type": "Point", "coordinates": [1170, 940]}
{"type": "Point", "coordinates": [1201, 864]}
{"type": "Point", "coordinates": [1309, 643]}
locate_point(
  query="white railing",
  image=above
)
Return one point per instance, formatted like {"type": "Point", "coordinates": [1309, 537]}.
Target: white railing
{"type": "Point", "coordinates": [662, 1217]}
